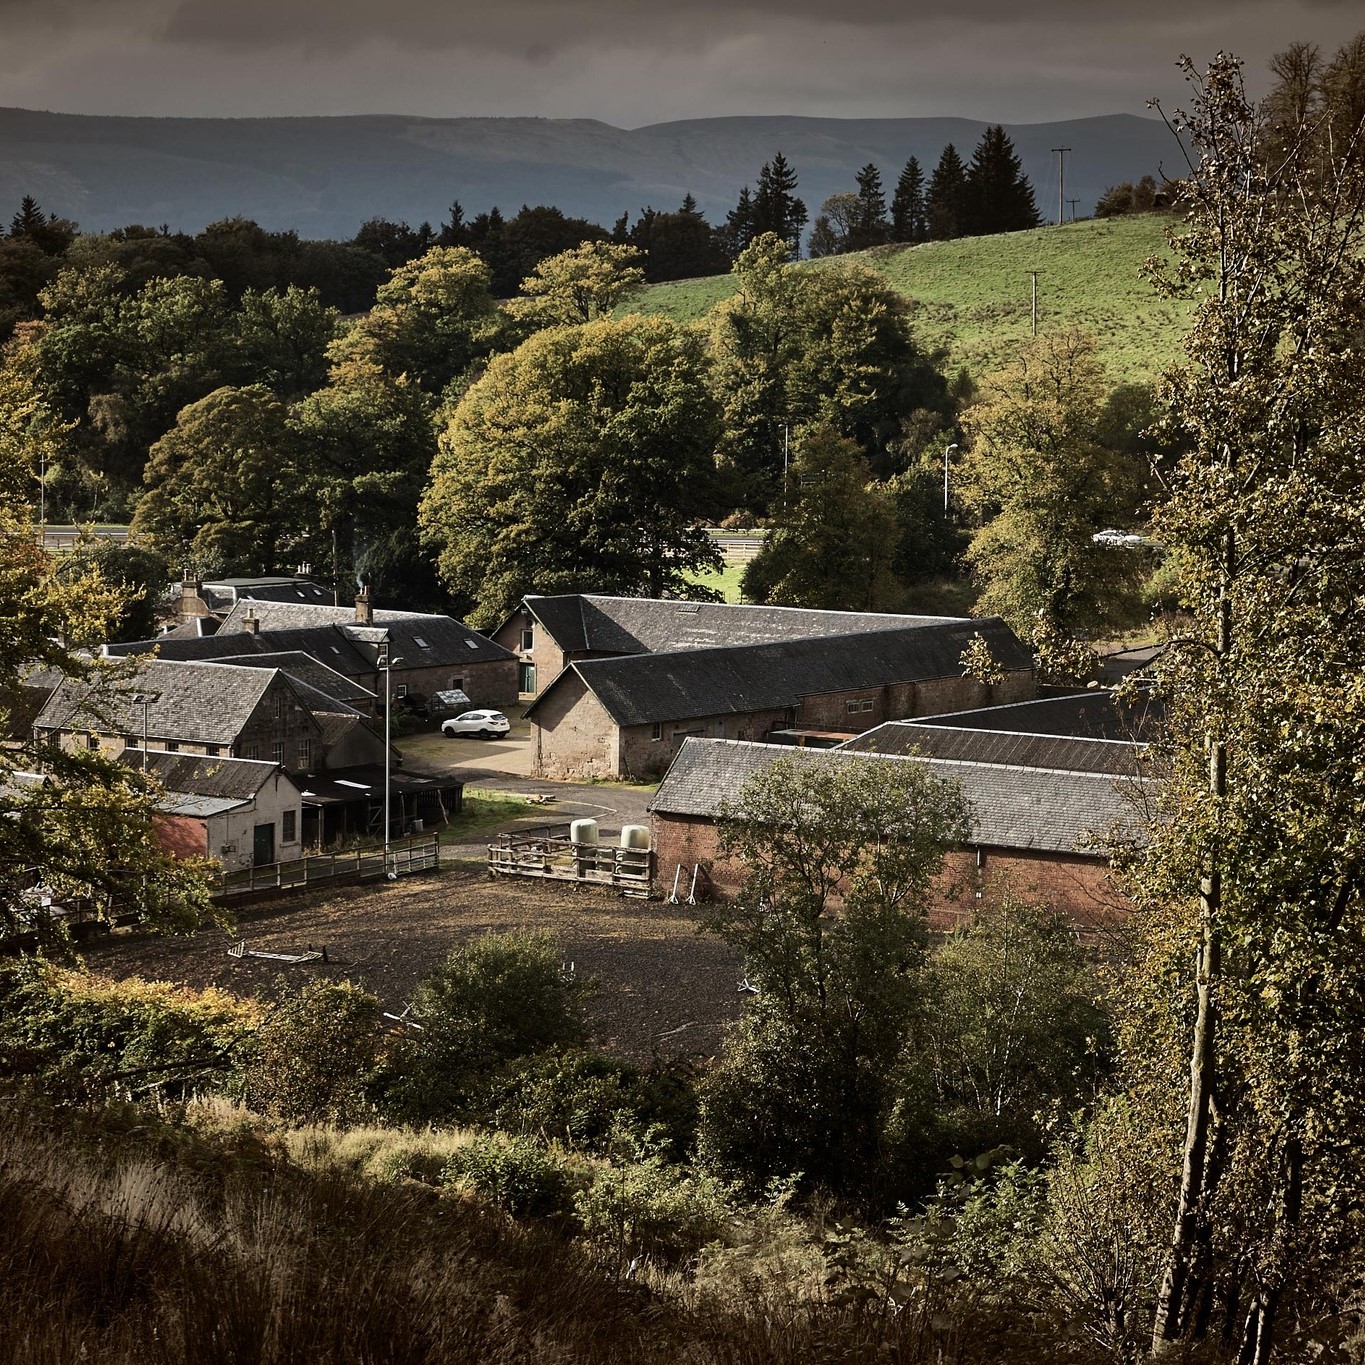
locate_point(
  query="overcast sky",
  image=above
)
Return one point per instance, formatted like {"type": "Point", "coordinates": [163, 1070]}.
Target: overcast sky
{"type": "Point", "coordinates": [632, 62]}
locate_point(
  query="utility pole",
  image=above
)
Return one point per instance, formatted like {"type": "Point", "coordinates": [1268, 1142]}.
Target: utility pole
{"type": "Point", "coordinates": [1034, 273]}
{"type": "Point", "coordinates": [1061, 180]}
{"type": "Point", "coordinates": [1073, 203]}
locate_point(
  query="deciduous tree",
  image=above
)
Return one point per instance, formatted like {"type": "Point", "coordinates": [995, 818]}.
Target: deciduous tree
{"type": "Point", "coordinates": [580, 461]}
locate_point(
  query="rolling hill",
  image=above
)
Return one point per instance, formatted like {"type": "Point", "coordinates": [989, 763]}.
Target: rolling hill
{"type": "Point", "coordinates": [972, 297]}
{"type": "Point", "coordinates": [325, 176]}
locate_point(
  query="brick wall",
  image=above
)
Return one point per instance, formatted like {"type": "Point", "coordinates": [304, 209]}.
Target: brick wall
{"type": "Point", "coordinates": [1080, 888]}
{"type": "Point", "coordinates": [181, 835]}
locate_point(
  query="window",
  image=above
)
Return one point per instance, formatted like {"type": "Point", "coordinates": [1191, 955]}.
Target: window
{"type": "Point", "coordinates": [528, 637]}
{"type": "Point", "coordinates": [656, 731]}
{"type": "Point", "coordinates": [277, 751]}
{"type": "Point", "coordinates": [859, 707]}
{"type": "Point", "coordinates": [290, 832]}
{"type": "Point", "coordinates": [92, 741]}
{"type": "Point", "coordinates": [172, 746]}
{"type": "Point", "coordinates": [279, 705]}
{"type": "Point", "coordinates": [251, 751]}
{"type": "Point", "coordinates": [457, 684]}
{"type": "Point", "coordinates": [401, 691]}
{"type": "Point", "coordinates": [213, 750]}
{"type": "Point", "coordinates": [472, 643]}
{"type": "Point", "coordinates": [305, 753]}
{"type": "Point", "coordinates": [420, 643]}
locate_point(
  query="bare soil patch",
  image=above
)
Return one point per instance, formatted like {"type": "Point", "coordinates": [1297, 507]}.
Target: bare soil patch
{"type": "Point", "coordinates": [660, 985]}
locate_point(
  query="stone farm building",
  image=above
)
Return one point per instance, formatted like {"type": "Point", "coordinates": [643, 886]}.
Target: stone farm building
{"type": "Point", "coordinates": [627, 716]}
{"type": "Point", "coordinates": [432, 653]}
{"type": "Point", "coordinates": [1042, 808]}
{"type": "Point", "coordinates": [547, 634]}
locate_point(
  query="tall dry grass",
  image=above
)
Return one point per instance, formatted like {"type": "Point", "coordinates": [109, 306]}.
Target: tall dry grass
{"type": "Point", "coordinates": [160, 1245]}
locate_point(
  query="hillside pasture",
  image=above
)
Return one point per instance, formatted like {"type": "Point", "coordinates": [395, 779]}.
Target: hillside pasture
{"type": "Point", "coordinates": [972, 299]}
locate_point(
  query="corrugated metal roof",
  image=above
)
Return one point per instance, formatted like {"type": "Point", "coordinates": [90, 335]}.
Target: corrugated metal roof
{"type": "Point", "coordinates": [1012, 807]}
{"type": "Point", "coordinates": [641, 689]}
{"type": "Point", "coordinates": [199, 775]}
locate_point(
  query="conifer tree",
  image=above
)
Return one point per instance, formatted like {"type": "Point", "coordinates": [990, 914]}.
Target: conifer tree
{"type": "Point", "coordinates": [775, 205]}
{"type": "Point", "coordinates": [998, 196]}
{"type": "Point", "coordinates": [738, 231]}
{"type": "Point", "coordinates": [947, 189]}
{"type": "Point", "coordinates": [870, 227]}
{"type": "Point", "coordinates": [908, 220]}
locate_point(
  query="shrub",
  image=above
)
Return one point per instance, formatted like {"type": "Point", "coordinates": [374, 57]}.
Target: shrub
{"type": "Point", "coordinates": [493, 1000]}
{"type": "Point", "coordinates": [314, 1055]}
{"type": "Point", "coordinates": [517, 1174]}
{"type": "Point", "coordinates": [648, 1207]}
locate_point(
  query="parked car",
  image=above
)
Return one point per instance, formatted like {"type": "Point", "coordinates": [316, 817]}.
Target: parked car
{"type": "Point", "coordinates": [480, 724]}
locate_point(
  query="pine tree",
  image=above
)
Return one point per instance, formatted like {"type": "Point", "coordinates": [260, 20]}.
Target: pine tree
{"type": "Point", "coordinates": [909, 222]}
{"type": "Point", "coordinates": [689, 206]}
{"type": "Point", "coordinates": [775, 205]}
{"type": "Point", "coordinates": [944, 202]}
{"type": "Point", "coordinates": [454, 231]}
{"type": "Point", "coordinates": [738, 230]}
{"type": "Point", "coordinates": [871, 227]}
{"type": "Point", "coordinates": [998, 196]}
{"type": "Point", "coordinates": [30, 220]}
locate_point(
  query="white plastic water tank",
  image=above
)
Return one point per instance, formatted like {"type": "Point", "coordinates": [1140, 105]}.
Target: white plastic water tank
{"type": "Point", "coordinates": [635, 836]}
{"type": "Point", "coordinates": [583, 832]}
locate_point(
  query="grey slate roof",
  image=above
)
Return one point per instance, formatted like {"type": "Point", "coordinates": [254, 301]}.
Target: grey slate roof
{"type": "Point", "coordinates": [236, 779]}
{"type": "Point", "coordinates": [1094, 713]}
{"type": "Point", "coordinates": [641, 689]}
{"type": "Point", "coordinates": [1012, 807]}
{"type": "Point", "coordinates": [345, 648]}
{"type": "Point", "coordinates": [202, 703]}
{"type": "Point", "coordinates": [304, 668]}
{"type": "Point", "coordinates": [1119, 758]}
{"type": "Point", "coordinates": [588, 623]}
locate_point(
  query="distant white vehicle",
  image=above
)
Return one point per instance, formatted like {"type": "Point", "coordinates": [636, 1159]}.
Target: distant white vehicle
{"type": "Point", "coordinates": [479, 724]}
{"type": "Point", "coordinates": [1125, 539]}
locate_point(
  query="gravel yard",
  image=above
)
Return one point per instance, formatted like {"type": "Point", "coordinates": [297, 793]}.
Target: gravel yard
{"type": "Point", "coordinates": [660, 985]}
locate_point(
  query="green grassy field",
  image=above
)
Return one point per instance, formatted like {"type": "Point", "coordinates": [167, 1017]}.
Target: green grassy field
{"type": "Point", "coordinates": [972, 297]}
{"type": "Point", "coordinates": [725, 580]}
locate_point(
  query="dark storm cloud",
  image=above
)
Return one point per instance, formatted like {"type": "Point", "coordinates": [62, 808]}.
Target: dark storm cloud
{"type": "Point", "coordinates": [634, 61]}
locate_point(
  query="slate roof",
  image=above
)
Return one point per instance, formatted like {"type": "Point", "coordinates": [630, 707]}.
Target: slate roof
{"type": "Point", "coordinates": [422, 639]}
{"type": "Point", "coordinates": [642, 689]}
{"type": "Point", "coordinates": [238, 779]}
{"type": "Point", "coordinates": [1118, 758]}
{"type": "Point", "coordinates": [270, 590]}
{"type": "Point", "coordinates": [344, 647]}
{"type": "Point", "coordinates": [304, 668]}
{"type": "Point", "coordinates": [588, 623]}
{"type": "Point", "coordinates": [1012, 807]}
{"type": "Point", "coordinates": [202, 703]}
{"type": "Point", "coordinates": [1095, 713]}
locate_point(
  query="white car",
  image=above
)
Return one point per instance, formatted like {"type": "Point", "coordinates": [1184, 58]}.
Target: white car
{"type": "Point", "coordinates": [480, 724]}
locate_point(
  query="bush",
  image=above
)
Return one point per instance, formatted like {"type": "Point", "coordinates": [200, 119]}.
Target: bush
{"type": "Point", "coordinates": [315, 1055]}
{"type": "Point", "coordinates": [493, 1000]}
{"type": "Point", "coordinates": [519, 1175]}
{"type": "Point", "coordinates": [584, 1099]}
{"type": "Point", "coordinates": [80, 1036]}
{"type": "Point", "coordinates": [647, 1207]}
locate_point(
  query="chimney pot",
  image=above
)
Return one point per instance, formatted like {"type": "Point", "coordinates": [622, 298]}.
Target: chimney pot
{"type": "Point", "coordinates": [251, 623]}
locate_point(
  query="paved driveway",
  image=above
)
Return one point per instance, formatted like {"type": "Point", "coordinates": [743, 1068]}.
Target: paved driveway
{"type": "Point", "coordinates": [505, 765]}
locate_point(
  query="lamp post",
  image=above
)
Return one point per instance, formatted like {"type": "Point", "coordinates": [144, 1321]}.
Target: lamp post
{"type": "Point", "coordinates": [386, 663]}
{"type": "Point", "coordinates": [947, 452]}
{"type": "Point", "coordinates": [144, 700]}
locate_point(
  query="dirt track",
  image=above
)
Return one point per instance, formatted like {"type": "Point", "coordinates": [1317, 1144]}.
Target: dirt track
{"type": "Point", "coordinates": [659, 984]}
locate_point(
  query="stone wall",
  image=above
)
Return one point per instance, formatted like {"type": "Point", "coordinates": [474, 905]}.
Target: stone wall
{"type": "Point", "coordinates": [573, 736]}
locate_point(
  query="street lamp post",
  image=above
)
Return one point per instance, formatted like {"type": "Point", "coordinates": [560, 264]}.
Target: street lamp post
{"type": "Point", "coordinates": [144, 700]}
{"type": "Point", "coordinates": [386, 663]}
{"type": "Point", "coordinates": [947, 452]}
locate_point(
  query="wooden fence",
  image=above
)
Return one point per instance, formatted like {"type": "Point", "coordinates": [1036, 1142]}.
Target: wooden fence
{"type": "Point", "coordinates": [551, 857]}
{"type": "Point", "coordinates": [406, 856]}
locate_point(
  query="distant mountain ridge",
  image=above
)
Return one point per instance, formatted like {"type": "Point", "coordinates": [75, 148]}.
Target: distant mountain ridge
{"type": "Point", "coordinates": [324, 176]}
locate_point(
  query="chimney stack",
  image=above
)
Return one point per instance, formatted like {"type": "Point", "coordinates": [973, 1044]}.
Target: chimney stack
{"type": "Point", "coordinates": [251, 623]}
{"type": "Point", "coordinates": [191, 604]}
{"type": "Point", "coordinates": [364, 611]}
